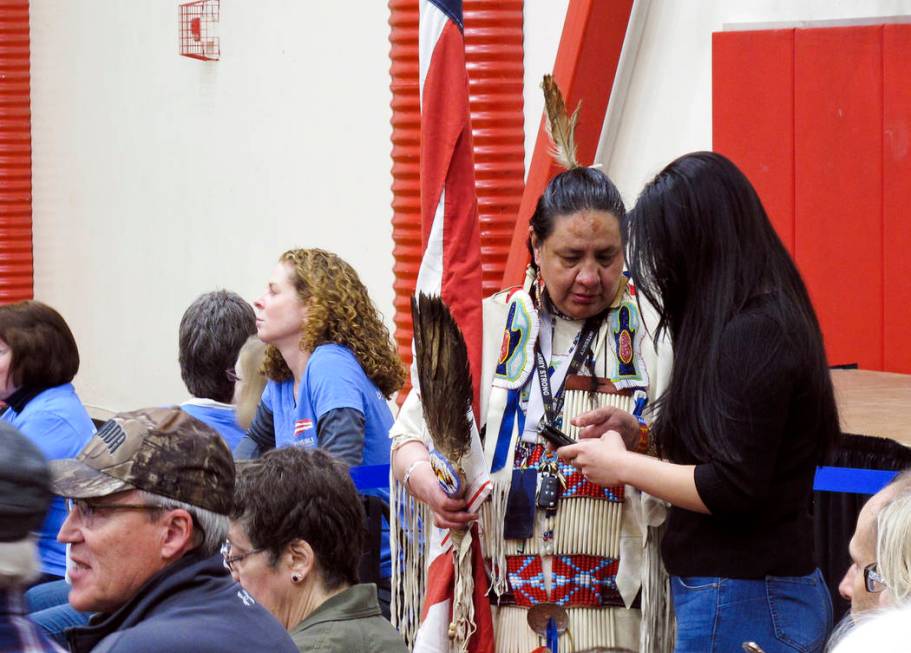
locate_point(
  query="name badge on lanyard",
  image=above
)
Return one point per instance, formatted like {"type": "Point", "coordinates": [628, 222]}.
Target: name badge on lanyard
{"type": "Point", "coordinates": [552, 482]}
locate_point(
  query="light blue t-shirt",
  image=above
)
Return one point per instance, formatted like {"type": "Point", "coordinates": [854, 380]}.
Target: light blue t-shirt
{"type": "Point", "coordinates": [221, 417]}
{"type": "Point", "coordinates": [334, 379]}
{"type": "Point", "coordinates": [56, 421]}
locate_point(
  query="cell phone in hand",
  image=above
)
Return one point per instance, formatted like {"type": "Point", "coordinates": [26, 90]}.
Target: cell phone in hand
{"type": "Point", "coordinates": [554, 435]}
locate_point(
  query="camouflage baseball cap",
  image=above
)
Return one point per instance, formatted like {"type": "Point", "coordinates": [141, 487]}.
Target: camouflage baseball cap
{"type": "Point", "coordinates": [164, 451]}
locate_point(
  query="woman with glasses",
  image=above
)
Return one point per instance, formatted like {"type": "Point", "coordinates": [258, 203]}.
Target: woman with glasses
{"type": "Point", "coordinates": [295, 542]}
{"type": "Point", "coordinates": [38, 360]}
{"type": "Point", "coordinates": [748, 414]}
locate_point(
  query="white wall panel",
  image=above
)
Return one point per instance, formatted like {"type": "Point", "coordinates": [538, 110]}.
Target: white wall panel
{"type": "Point", "coordinates": [158, 177]}
{"type": "Point", "coordinates": [668, 110]}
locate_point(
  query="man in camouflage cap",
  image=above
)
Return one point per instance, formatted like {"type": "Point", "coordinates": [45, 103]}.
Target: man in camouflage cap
{"type": "Point", "coordinates": [149, 498]}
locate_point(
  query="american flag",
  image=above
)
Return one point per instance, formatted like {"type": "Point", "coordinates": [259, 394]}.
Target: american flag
{"type": "Point", "coordinates": [451, 268]}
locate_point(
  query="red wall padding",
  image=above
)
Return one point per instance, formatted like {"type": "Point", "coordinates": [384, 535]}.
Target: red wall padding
{"type": "Point", "coordinates": [897, 198]}
{"type": "Point", "coordinates": [754, 122]}
{"type": "Point", "coordinates": [15, 153]}
{"type": "Point", "coordinates": [838, 186]}
{"type": "Point", "coordinates": [819, 120]}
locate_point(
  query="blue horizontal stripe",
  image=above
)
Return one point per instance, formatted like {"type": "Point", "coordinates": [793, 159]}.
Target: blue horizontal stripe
{"type": "Point", "coordinates": [851, 479]}
{"type": "Point", "coordinates": [370, 477]}
{"type": "Point", "coordinates": [828, 479]}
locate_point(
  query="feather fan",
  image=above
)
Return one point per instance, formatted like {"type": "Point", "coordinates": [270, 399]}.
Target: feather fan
{"type": "Point", "coordinates": [560, 126]}
{"type": "Point", "coordinates": [441, 358]}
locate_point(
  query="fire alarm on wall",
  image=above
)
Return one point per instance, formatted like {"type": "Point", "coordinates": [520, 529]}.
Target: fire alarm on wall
{"type": "Point", "coordinates": [198, 25]}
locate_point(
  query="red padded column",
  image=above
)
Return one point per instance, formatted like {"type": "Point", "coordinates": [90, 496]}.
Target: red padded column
{"type": "Point", "coordinates": [15, 153]}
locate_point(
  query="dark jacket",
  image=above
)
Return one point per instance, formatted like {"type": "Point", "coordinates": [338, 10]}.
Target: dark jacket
{"type": "Point", "coordinates": [349, 622]}
{"type": "Point", "coordinates": [190, 606]}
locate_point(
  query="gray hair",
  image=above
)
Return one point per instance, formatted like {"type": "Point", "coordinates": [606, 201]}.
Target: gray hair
{"type": "Point", "coordinates": [212, 331]}
{"type": "Point", "coordinates": [211, 529]}
{"type": "Point", "coordinates": [19, 563]}
{"type": "Point", "coordinates": [893, 547]}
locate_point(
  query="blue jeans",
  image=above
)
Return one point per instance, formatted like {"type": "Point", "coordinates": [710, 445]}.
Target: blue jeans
{"type": "Point", "coordinates": [782, 614]}
{"type": "Point", "coordinates": [48, 607]}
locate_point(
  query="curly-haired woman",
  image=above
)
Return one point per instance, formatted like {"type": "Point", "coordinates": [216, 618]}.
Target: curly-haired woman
{"type": "Point", "coordinates": [330, 362]}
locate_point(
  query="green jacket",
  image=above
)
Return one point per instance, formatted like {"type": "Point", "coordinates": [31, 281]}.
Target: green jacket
{"type": "Point", "coordinates": [349, 622]}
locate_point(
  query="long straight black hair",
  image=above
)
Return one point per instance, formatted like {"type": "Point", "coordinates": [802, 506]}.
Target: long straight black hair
{"type": "Point", "coordinates": [700, 249]}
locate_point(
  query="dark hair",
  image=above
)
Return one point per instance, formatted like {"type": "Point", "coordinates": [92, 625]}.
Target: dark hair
{"type": "Point", "coordinates": [212, 331]}
{"type": "Point", "coordinates": [295, 493]}
{"type": "Point", "coordinates": [700, 249]}
{"type": "Point", "coordinates": [578, 189]}
{"type": "Point", "coordinates": [44, 352]}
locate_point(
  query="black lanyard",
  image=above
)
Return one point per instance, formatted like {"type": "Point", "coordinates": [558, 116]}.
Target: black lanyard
{"type": "Point", "coordinates": [553, 408]}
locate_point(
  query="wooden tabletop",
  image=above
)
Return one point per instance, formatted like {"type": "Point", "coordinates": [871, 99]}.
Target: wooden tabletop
{"type": "Point", "coordinates": [874, 403]}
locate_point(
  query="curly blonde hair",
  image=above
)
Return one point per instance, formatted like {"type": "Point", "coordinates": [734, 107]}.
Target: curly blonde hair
{"type": "Point", "coordinates": [340, 311]}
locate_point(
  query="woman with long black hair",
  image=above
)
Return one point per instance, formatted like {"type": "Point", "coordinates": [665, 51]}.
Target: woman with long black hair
{"type": "Point", "coordinates": [748, 414]}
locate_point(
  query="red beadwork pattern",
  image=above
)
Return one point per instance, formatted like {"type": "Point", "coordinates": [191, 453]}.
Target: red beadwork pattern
{"type": "Point", "coordinates": [526, 580]}
{"type": "Point", "coordinates": [585, 581]}
{"type": "Point", "coordinates": [576, 484]}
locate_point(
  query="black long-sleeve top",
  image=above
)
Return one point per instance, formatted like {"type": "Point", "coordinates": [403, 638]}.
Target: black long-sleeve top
{"type": "Point", "coordinates": [761, 501]}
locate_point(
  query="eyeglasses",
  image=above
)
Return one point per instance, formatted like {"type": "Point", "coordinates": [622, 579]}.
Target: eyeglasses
{"type": "Point", "coordinates": [89, 509]}
{"type": "Point", "coordinates": [873, 581]}
{"type": "Point", "coordinates": [231, 373]}
{"type": "Point", "coordinates": [231, 561]}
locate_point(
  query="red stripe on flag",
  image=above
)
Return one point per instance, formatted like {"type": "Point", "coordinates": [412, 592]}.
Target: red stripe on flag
{"type": "Point", "coordinates": [446, 163]}
{"type": "Point", "coordinates": [482, 641]}
{"type": "Point", "coordinates": [439, 581]}
{"type": "Point", "coordinates": [447, 171]}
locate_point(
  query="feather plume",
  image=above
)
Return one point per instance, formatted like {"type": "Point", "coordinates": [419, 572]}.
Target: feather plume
{"type": "Point", "coordinates": [444, 376]}
{"type": "Point", "coordinates": [560, 126]}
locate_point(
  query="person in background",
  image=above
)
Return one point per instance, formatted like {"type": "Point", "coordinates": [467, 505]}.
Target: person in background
{"type": "Point", "coordinates": [862, 548]}
{"type": "Point", "coordinates": [295, 542]}
{"type": "Point", "coordinates": [38, 360]}
{"type": "Point", "coordinates": [331, 367]}
{"type": "Point", "coordinates": [882, 631]}
{"type": "Point", "coordinates": [149, 498]}
{"type": "Point", "coordinates": [212, 332]}
{"type": "Point", "coordinates": [893, 552]}
{"type": "Point", "coordinates": [748, 414]}
{"type": "Point", "coordinates": [25, 494]}
{"type": "Point", "coordinates": [329, 359]}
{"type": "Point", "coordinates": [250, 380]}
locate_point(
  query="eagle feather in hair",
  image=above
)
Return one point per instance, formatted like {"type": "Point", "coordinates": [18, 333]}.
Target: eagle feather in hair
{"type": "Point", "coordinates": [560, 126]}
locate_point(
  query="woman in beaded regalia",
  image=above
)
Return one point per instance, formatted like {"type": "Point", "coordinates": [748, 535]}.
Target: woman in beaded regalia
{"type": "Point", "coordinates": [556, 545]}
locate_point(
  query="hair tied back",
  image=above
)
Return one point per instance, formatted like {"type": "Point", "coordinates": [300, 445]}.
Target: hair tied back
{"type": "Point", "coordinates": [560, 126]}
